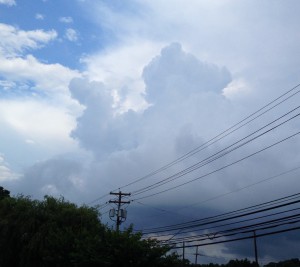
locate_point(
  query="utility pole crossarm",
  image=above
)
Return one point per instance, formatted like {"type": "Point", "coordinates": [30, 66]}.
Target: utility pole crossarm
{"type": "Point", "coordinates": [121, 213]}
{"type": "Point", "coordinates": [120, 193]}
{"type": "Point", "coordinates": [116, 202]}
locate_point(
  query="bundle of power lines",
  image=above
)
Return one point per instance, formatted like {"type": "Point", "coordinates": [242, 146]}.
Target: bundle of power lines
{"type": "Point", "coordinates": [161, 185]}
{"type": "Point", "coordinates": [282, 213]}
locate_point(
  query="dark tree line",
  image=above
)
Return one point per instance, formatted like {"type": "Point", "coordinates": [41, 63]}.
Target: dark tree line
{"type": "Point", "coordinates": [287, 263]}
{"type": "Point", "coordinates": [54, 232]}
{"type": "Point", "coordinates": [247, 263]}
{"type": "Point", "coordinates": [231, 263]}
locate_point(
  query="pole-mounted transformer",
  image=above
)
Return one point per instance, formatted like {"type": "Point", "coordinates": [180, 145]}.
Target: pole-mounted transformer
{"type": "Point", "coordinates": [120, 214]}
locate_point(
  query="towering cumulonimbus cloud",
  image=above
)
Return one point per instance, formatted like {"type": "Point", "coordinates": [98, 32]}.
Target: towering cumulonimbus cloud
{"type": "Point", "coordinates": [177, 87]}
{"type": "Point", "coordinates": [100, 129]}
{"type": "Point", "coordinates": [176, 74]}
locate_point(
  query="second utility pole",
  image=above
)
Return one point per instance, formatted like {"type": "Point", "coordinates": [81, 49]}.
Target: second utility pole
{"type": "Point", "coordinates": [119, 202]}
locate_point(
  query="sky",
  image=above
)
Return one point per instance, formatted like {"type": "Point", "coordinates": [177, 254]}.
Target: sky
{"type": "Point", "coordinates": [96, 95]}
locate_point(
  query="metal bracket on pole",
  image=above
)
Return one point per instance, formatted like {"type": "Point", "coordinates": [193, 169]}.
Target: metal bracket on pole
{"type": "Point", "coordinates": [120, 214]}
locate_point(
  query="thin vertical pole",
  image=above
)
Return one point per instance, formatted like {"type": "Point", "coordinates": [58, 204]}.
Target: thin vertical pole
{"type": "Point", "coordinates": [183, 253]}
{"type": "Point", "coordinates": [255, 247]}
{"type": "Point", "coordinates": [196, 255]}
{"type": "Point", "coordinates": [118, 212]}
{"type": "Point", "coordinates": [119, 202]}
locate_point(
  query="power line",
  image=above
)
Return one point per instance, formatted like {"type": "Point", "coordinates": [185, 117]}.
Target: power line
{"type": "Point", "coordinates": [209, 142]}
{"type": "Point", "coordinates": [236, 233]}
{"type": "Point", "coordinates": [228, 215]}
{"type": "Point", "coordinates": [230, 218]}
{"type": "Point", "coordinates": [221, 168]}
{"type": "Point", "coordinates": [120, 214]}
{"type": "Point", "coordinates": [216, 138]}
{"type": "Point", "coordinates": [241, 238]}
{"type": "Point", "coordinates": [242, 188]}
{"type": "Point", "coordinates": [215, 156]}
{"type": "Point", "coordinates": [216, 197]}
{"type": "Point", "coordinates": [97, 199]}
{"type": "Point", "coordinates": [227, 224]}
{"type": "Point", "coordinates": [248, 228]}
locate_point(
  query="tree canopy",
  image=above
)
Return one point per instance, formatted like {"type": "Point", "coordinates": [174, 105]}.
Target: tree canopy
{"type": "Point", "coordinates": [54, 232]}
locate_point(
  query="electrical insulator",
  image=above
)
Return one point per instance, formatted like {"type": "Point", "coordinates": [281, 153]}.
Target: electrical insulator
{"type": "Point", "coordinates": [112, 213]}
{"type": "Point", "coordinates": [124, 213]}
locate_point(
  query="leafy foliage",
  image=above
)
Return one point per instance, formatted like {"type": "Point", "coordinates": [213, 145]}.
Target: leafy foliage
{"type": "Point", "coordinates": [232, 263]}
{"type": "Point", "coordinates": [127, 249]}
{"type": "Point", "coordinates": [247, 263]}
{"type": "Point", "coordinates": [4, 193]}
{"type": "Point", "coordinates": [54, 232]}
{"type": "Point", "coordinates": [287, 263]}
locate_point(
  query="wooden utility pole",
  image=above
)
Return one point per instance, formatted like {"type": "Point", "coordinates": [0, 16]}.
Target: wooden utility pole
{"type": "Point", "coordinates": [121, 213]}
{"type": "Point", "coordinates": [183, 253]}
{"type": "Point", "coordinates": [196, 258]}
{"type": "Point", "coordinates": [255, 247]}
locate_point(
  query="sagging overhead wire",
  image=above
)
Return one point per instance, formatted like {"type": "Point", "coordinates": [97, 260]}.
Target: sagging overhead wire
{"type": "Point", "coordinates": [280, 202]}
{"type": "Point", "coordinates": [239, 239]}
{"type": "Point", "coordinates": [218, 154]}
{"type": "Point", "coordinates": [221, 168]}
{"type": "Point", "coordinates": [195, 236]}
{"type": "Point", "coordinates": [97, 199]}
{"type": "Point", "coordinates": [266, 108]}
{"type": "Point", "coordinates": [239, 230]}
{"type": "Point", "coordinates": [237, 233]}
{"type": "Point", "coordinates": [242, 188]}
{"type": "Point", "coordinates": [217, 196]}
{"type": "Point", "coordinates": [226, 219]}
{"type": "Point", "coordinates": [220, 136]}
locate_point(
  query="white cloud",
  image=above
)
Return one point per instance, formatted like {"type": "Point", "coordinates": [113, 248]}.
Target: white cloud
{"type": "Point", "coordinates": [235, 89]}
{"type": "Point", "coordinates": [14, 41]}
{"type": "Point", "coordinates": [122, 141]}
{"type": "Point", "coordinates": [27, 73]}
{"type": "Point", "coordinates": [188, 107]}
{"type": "Point", "coordinates": [6, 174]}
{"type": "Point", "coordinates": [184, 68]}
{"type": "Point", "coordinates": [66, 19]}
{"type": "Point", "coordinates": [46, 77]}
{"type": "Point", "coordinates": [71, 35]}
{"type": "Point", "coordinates": [38, 121]}
{"type": "Point", "coordinates": [169, 78]}
{"type": "Point", "coordinates": [42, 115]}
{"type": "Point", "coordinates": [29, 141]}
{"type": "Point", "coordinates": [7, 85]}
{"type": "Point", "coordinates": [8, 2]}
{"type": "Point", "coordinates": [38, 129]}
{"type": "Point", "coordinates": [208, 29]}
{"type": "Point", "coordinates": [178, 101]}
{"type": "Point", "coordinates": [57, 176]}
{"type": "Point", "coordinates": [50, 189]}
{"type": "Point", "coordinates": [39, 16]}
{"type": "Point", "coordinates": [110, 133]}
{"type": "Point", "coordinates": [120, 68]}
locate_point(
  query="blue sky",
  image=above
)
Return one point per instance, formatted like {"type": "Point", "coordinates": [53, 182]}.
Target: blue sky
{"type": "Point", "coordinates": [63, 17]}
{"type": "Point", "coordinates": [95, 94]}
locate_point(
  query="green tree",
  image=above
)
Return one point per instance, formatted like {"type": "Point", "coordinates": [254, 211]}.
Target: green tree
{"type": "Point", "coordinates": [286, 263]}
{"type": "Point", "coordinates": [128, 249]}
{"type": "Point", "coordinates": [241, 263]}
{"type": "Point", "coordinates": [48, 233]}
{"type": "Point", "coordinates": [54, 232]}
{"type": "Point", "coordinates": [4, 193]}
